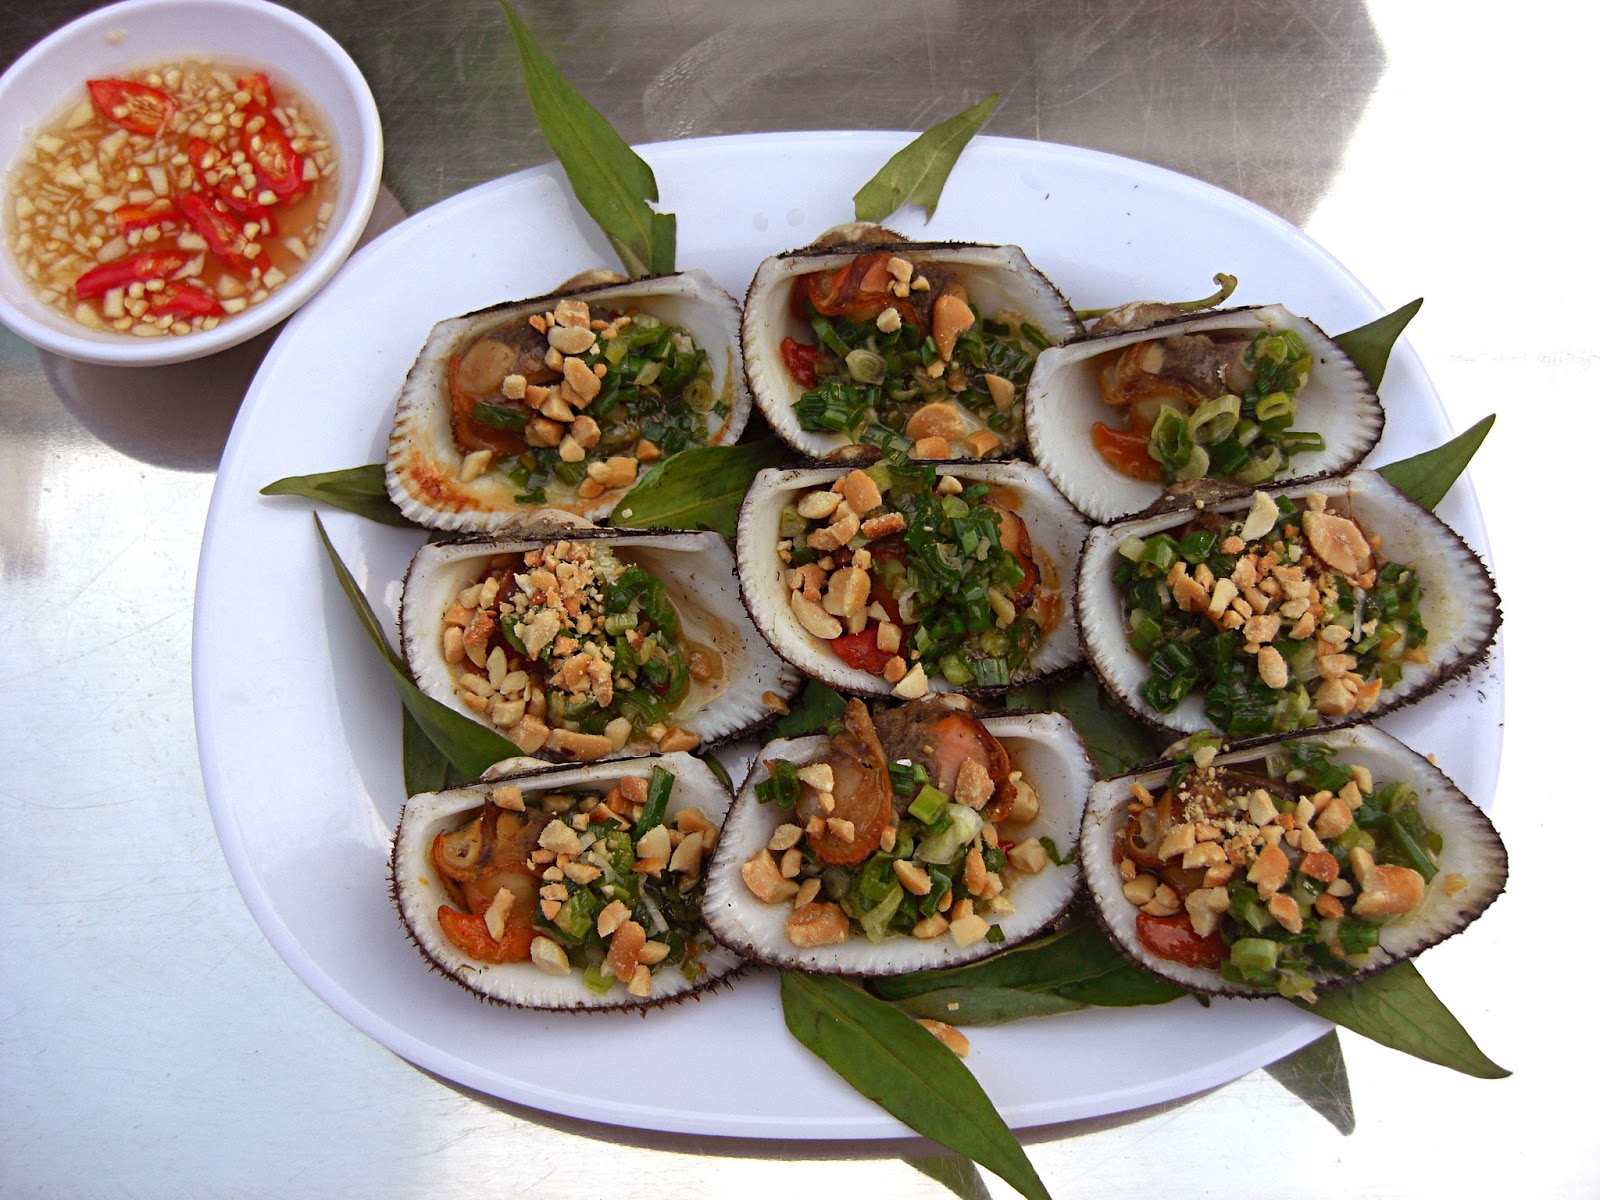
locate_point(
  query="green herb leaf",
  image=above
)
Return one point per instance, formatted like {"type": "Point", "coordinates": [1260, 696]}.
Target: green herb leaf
{"type": "Point", "coordinates": [700, 488]}
{"type": "Point", "coordinates": [919, 170]}
{"type": "Point", "coordinates": [468, 747]}
{"type": "Point", "coordinates": [955, 1172]}
{"type": "Point", "coordinates": [355, 489]}
{"type": "Point", "coordinates": [613, 184]}
{"type": "Point", "coordinates": [1369, 346]}
{"type": "Point", "coordinates": [1426, 477]}
{"type": "Point", "coordinates": [1071, 969]}
{"type": "Point", "coordinates": [818, 704]}
{"type": "Point", "coordinates": [1396, 1008]}
{"type": "Point", "coordinates": [425, 768]}
{"type": "Point", "coordinates": [1317, 1075]}
{"type": "Point", "coordinates": [1116, 741]}
{"type": "Point", "coordinates": [986, 1005]}
{"type": "Point", "coordinates": [899, 1065]}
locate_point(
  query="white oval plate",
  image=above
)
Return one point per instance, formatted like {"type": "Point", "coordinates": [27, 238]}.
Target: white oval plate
{"type": "Point", "coordinates": [299, 727]}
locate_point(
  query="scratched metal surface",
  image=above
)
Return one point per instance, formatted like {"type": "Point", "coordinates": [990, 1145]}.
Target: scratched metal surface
{"type": "Point", "coordinates": [151, 1043]}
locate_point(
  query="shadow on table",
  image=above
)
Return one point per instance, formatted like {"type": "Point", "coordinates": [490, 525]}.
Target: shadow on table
{"type": "Point", "coordinates": [925, 1156]}
{"type": "Point", "coordinates": [176, 416]}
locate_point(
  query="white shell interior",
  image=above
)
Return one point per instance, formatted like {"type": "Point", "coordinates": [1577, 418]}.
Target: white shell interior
{"type": "Point", "coordinates": [1459, 605]}
{"type": "Point", "coordinates": [423, 472]}
{"type": "Point", "coordinates": [1064, 403]}
{"type": "Point", "coordinates": [996, 277]}
{"type": "Point", "coordinates": [697, 568]}
{"type": "Point", "coordinates": [1055, 528]}
{"type": "Point", "coordinates": [1472, 849]}
{"type": "Point", "coordinates": [1044, 747]}
{"type": "Point", "coordinates": [419, 891]}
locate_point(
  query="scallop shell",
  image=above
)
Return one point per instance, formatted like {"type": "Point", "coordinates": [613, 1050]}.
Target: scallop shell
{"type": "Point", "coordinates": [424, 468]}
{"type": "Point", "coordinates": [1043, 746]}
{"type": "Point", "coordinates": [996, 277]}
{"type": "Point", "coordinates": [1472, 851]}
{"type": "Point", "coordinates": [1064, 403]}
{"type": "Point", "coordinates": [1056, 530]}
{"type": "Point", "coordinates": [418, 891]}
{"type": "Point", "coordinates": [1459, 606]}
{"type": "Point", "coordinates": [697, 568]}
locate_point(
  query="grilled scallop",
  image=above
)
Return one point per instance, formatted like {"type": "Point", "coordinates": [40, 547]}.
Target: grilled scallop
{"type": "Point", "coordinates": [594, 643]}
{"type": "Point", "coordinates": [906, 579]}
{"type": "Point", "coordinates": [1093, 404]}
{"type": "Point", "coordinates": [1298, 864]}
{"type": "Point", "coordinates": [877, 864]}
{"type": "Point", "coordinates": [930, 345]}
{"type": "Point", "coordinates": [1324, 603]}
{"type": "Point", "coordinates": [471, 867]}
{"type": "Point", "coordinates": [516, 415]}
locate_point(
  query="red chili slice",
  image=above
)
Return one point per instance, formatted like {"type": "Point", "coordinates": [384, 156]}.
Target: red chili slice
{"type": "Point", "coordinates": [801, 361]}
{"type": "Point", "coordinates": [134, 106]}
{"type": "Point", "coordinates": [260, 92]}
{"type": "Point", "coordinates": [185, 300]}
{"type": "Point", "coordinates": [137, 216]}
{"type": "Point", "coordinates": [203, 156]}
{"type": "Point", "coordinates": [221, 232]}
{"type": "Point", "coordinates": [279, 167]}
{"type": "Point", "coordinates": [136, 268]}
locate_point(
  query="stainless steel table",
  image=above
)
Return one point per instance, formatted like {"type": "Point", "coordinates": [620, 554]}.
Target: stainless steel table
{"type": "Point", "coordinates": [151, 1042]}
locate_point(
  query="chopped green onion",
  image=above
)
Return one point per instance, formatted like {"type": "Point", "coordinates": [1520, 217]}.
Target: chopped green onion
{"type": "Point", "coordinates": [655, 804]}
{"type": "Point", "coordinates": [782, 785]}
{"type": "Point", "coordinates": [513, 420]}
{"type": "Point", "coordinates": [1254, 954]}
{"type": "Point", "coordinates": [928, 805]}
{"type": "Point", "coordinates": [907, 779]}
{"type": "Point", "coordinates": [1215, 419]}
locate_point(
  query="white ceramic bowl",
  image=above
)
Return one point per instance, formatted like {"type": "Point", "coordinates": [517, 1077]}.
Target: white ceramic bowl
{"type": "Point", "coordinates": [140, 33]}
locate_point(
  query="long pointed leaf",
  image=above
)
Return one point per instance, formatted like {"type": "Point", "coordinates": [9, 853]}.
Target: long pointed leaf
{"type": "Point", "coordinates": [975, 1006]}
{"type": "Point", "coordinates": [611, 182]}
{"type": "Point", "coordinates": [919, 170]}
{"type": "Point", "coordinates": [424, 767]}
{"type": "Point", "coordinates": [1318, 1076]}
{"type": "Point", "coordinates": [698, 489]}
{"type": "Point", "coordinates": [1428, 476]}
{"type": "Point", "coordinates": [899, 1065]}
{"type": "Point", "coordinates": [355, 489]}
{"type": "Point", "coordinates": [469, 747]}
{"type": "Point", "coordinates": [1116, 741]}
{"type": "Point", "coordinates": [1397, 1008]}
{"type": "Point", "coordinates": [816, 706]}
{"type": "Point", "coordinates": [956, 1173]}
{"type": "Point", "coordinates": [1370, 345]}
{"type": "Point", "coordinates": [1072, 969]}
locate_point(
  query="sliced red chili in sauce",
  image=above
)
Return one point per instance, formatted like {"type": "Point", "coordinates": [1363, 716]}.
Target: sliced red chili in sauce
{"type": "Point", "coordinates": [279, 167]}
{"type": "Point", "coordinates": [186, 300]}
{"type": "Point", "coordinates": [222, 233]}
{"type": "Point", "coordinates": [137, 107]}
{"type": "Point", "coordinates": [137, 216]}
{"type": "Point", "coordinates": [136, 268]}
{"type": "Point", "coordinates": [259, 89]}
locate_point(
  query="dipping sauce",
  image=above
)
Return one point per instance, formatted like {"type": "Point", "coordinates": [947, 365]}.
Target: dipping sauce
{"type": "Point", "coordinates": [164, 201]}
